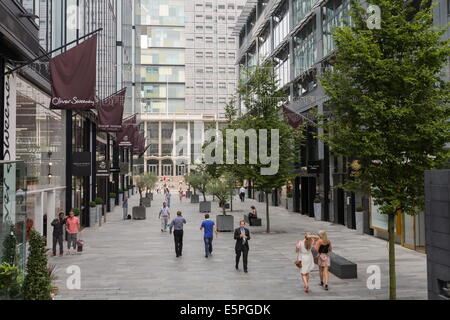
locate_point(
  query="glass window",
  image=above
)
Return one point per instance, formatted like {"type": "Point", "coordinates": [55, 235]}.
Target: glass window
{"type": "Point", "coordinates": [161, 12]}
{"type": "Point", "coordinates": [305, 50]}
{"type": "Point", "coordinates": [333, 15]}
{"type": "Point", "coordinates": [301, 8]}
{"type": "Point", "coordinates": [161, 37]}
{"type": "Point", "coordinates": [160, 91]}
{"type": "Point", "coordinates": [162, 56]}
{"type": "Point", "coordinates": [162, 74]}
{"type": "Point", "coordinates": [281, 29]}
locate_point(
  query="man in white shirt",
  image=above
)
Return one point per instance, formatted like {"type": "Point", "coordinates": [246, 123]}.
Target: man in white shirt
{"type": "Point", "coordinates": [164, 215]}
{"type": "Point", "coordinates": [242, 193]}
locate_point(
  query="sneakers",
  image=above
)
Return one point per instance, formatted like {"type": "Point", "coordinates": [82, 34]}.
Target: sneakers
{"type": "Point", "coordinates": [326, 287]}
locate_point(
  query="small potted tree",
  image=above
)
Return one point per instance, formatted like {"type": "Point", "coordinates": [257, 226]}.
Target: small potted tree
{"type": "Point", "coordinates": [222, 189]}
{"type": "Point", "coordinates": [317, 209]}
{"type": "Point", "coordinates": [93, 213]}
{"type": "Point", "coordinates": [99, 202]}
{"type": "Point", "coordinates": [150, 182]}
{"type": "Point", "coordinates": [201, 179]}
{"type": "Point", "coordinates": [359, 214]}
{"type": "Point", "coordinates": [112, 200]}
{"type": "Point", "coordinates": [139, 212]}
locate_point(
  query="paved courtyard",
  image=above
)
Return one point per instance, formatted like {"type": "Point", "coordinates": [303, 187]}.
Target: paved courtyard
{"type": "Point", "coordinates": [134, 260]}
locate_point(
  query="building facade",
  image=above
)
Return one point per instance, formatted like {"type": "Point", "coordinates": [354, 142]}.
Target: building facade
{"type": "Point", "coordinates": [184, 74]}
{"type": "Point", "coordinates": [296, 36]}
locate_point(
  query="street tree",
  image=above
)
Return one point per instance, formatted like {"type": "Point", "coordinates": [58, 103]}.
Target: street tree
{"type": "Point", "coordinates": [389, 106]}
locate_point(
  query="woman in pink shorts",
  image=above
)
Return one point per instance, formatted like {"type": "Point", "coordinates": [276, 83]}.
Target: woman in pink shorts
{"type": "Point", "coordinates": [323, 247]}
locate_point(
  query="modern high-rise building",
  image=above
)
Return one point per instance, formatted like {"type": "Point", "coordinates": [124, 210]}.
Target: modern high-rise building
{"type": "Point", "coordinates": [184, 69]}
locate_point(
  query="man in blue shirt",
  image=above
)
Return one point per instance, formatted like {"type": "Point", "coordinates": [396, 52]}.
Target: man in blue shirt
{"type": "Point", "coordinates": [209, 227]}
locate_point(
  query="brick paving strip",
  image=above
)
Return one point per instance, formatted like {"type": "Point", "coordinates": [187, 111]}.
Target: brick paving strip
{"type": "Point", "coordinates": [134, 260]}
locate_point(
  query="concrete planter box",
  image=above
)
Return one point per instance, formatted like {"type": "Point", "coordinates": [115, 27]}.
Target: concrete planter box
{"type": "Point", "coordinates": [318, 211]}
{"type": "Point", "coordinates": [99, 214]}
{"type": "Point", "coordinates": [188, 194]}
{"type": "Point", "coordinates": [149, 196]}
{"type": "Point", "coordinates": [139, 213]}
{"type": "Point", "coordinates": [205, 207]}
{"type": "Point", "coordinates": [290, 204]}
{"type": "Point", "coordinates": [92, 216]}
{"type": "Point", "coordinates": [146, 202]}
{"type": "Point", "coordinates": [359, 219]}
{"type": "Point", "coordinates": [195, 198]}
{"type": "Point", "coordinates": [225, 223]}
{"type": "Point", "coordinates": [112, 203]}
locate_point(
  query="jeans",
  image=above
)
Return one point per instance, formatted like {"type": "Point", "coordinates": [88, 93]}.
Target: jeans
{"type": "Point", "coordinates": [125, 213]}
{"type": "Point", "coordinates": [242, 196]}
{"type": "Point", "coordinates": [58, 240]}
{"type": "Point", "coordinates": [208, 246]}
{"type": "Point", "coordinates": [164, 222]}
{"type": "Point", "coordinates": [178, 237]}
{"type": "Point", "coordinates": [71, 239]}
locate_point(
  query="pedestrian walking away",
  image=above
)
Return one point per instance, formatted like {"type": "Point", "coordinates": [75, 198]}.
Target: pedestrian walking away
{"type": "Point", "coordinates": [242, 194]}
{"type": "Point", "coordinates": [58, 232]}
{"type": "Point", "coordinates": [73, 228]}
{"type": "Point", "coordinates": [323, 247]}
{"type": "Point", "coordinates": [242, 236]}
{"type": "Point", "coordinates": [167, 197]}
{"type": "Point", "coordinates": [177, 224]}
{"type": "Point", "coordinates": [164, 215]}
{"type": "Point", "coordinates": [305, 259]}
{"type": "Point", "coordinates": [181, 195]}
{"type": "Point", "coordinates": [209, 227]}
{"type": "Point", "coordinates": [125, 207]}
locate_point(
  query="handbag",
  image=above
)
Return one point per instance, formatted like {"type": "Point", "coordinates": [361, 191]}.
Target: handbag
{"type": "Point", "coordinates": [298, 263]}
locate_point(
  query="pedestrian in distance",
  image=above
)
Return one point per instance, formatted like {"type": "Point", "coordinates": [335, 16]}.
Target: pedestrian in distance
{"type": "Point", "coordinates": [305, 259]}
{"type": "Point", "coordinates": [177, 224]}
{"type": "Point", "coordinates": [323, 247]}
{"type": "Point", "coordinates": [253, 214]}
{"type": "Point", "coordinates": [125, 207]}
{"type": "Point", "coordinates": [242, 236]}
{"type": "Point", "coordinates": [164, 215]}
{"type": "Point", "coordinates": [242, 194]}
{"type": "Point", "coordinates": [58, 232]}
{"type": "Point", "coordinates": [73, 228]}
{"type": "Point", "coordinates": [209, 228]}
{"type": "Point", "coordinates": [180, 193]}
{"type": "Point", "coordinates": [167, 196]}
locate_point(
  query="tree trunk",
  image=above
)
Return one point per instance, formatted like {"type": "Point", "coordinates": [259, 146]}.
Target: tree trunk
{"type": "Point", "coordinates": [204, 197]}
{"type": "Point", "coordinates": [392, 274]}
{"type": "Point", "coordinates": [223, 210]}
{"type": "Point", "coordinates": [231, 202]}
{"type": "Point", "coordinates": [267, 212]}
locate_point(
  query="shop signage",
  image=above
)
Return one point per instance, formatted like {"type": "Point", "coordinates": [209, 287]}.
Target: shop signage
{"type": "Point", "coordinates": [124, 167]}
{"type": "Point", "coordinates": [81, 164]}
{"type": "Point", "coordinates": [314, 167]}
{"type": "Point", "coordinates": [125, 137]}
{"type": "Point", "coordinates": [9, 150]}
{"type": "Point", "coordinates": [103, 168]}
{"type": "Point", "coordinates": [73, 77]}
{"type": "Point", "coordinates": [110, 112]}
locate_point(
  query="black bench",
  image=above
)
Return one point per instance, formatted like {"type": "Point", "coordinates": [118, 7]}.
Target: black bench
{"type": "Point", "coordinates": [255, 222]}
{"type": "Point", "coordinates": [342, 268]}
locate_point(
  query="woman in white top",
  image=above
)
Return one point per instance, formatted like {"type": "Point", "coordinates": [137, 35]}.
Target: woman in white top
{"type": "Point", "coordinates": [303, 248]}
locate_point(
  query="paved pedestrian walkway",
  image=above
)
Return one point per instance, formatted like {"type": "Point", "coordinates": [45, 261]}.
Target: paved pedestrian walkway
{"type": "Point", "coordinates": [134, 260]}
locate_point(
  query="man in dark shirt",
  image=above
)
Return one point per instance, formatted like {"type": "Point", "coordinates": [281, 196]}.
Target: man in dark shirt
{"type": "Point", "coordinates": [177, 224]}
{"type": "Point", "coordinates": [58, 231]}
{"type": "Point", "coordinates": [242, 235]}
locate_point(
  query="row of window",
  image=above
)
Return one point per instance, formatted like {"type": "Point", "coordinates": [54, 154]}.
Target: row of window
{"type": "Point", "coordinates": [220, 85]}
{"type": "Point", "coordinates": [210, 54]}
{"type": "Point", "coordinates": [211, 39]}
{"type": "Point", "coordinates": [199, 17]}
{"type": "Point", "coordinates": [209, 5]}
{"type": "Point", "coordinates": [210, 100]}
{"type": "Point", "coordinates": [221, 70]}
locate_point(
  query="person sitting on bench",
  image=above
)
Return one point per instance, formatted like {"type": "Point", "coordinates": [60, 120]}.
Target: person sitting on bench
{"type": "Point", "coordinates": [252, 215]}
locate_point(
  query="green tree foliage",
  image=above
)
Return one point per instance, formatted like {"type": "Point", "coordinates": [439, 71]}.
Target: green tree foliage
{"type": "Point", "coordinates": [37, 283]}
{"type": "Point", "coordinates": [222, 188]}
{"type": "Point", "coordinates": [198, 180]}
{"type": "Point", "coordinates": [10, 248]}
{"type": "Point", "coordinates": [10, 282]}
{"type": "Point", "coordinates": [390, 106]}
{"type": "Point", "coordinates": [264, 103]}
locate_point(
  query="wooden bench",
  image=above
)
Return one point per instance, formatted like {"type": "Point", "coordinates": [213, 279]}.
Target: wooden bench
{"type": "Point", "coordinates": [342, 268]}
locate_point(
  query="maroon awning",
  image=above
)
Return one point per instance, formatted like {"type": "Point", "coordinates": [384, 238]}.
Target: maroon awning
{"type": "Point", "coordinates": [125, 137]}
{"type": "Point", "coordinates": [293, 119]}
{"type": "Point", "coordinates": [110, 112]}
{"type": "Point", "coordinates": [73, 77]}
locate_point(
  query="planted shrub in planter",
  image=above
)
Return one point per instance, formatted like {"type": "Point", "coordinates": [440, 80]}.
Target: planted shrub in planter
{"type": "Point", "coordinates": [76, 211]}
{"type": "Point", "coordinates": [222, 189]}
{"type": "Point", "coordinates": [139, 212]}
{"type": "Point", "coordinates": [359, 214]}
{"type": "Point", "coordinates": [112, 200]}
{"type": "Point", "coordinates": [37, 284]}
{"type": "Point", "coordinates": [290, 201]}
{"type": "Point", "coordinates": [9, 248]}
{"type": "Point", "coordinates": [317, 209]}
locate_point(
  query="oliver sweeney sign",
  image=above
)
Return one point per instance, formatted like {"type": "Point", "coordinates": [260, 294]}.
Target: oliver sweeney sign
{"type": "Point", "coordinates": [102, 168]}
{"type": "Point", "coordinates": [110, 112]}
{"type": "Point", "coordinates": [73, 77]}
{"type": "Point", "coordinates": [81, 165]}
{"type": "Point", "coordinates": [9, 151]}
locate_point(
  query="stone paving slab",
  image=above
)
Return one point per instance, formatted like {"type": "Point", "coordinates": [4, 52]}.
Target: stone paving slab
{"type": "Point", "coordinates": [134, 260]}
